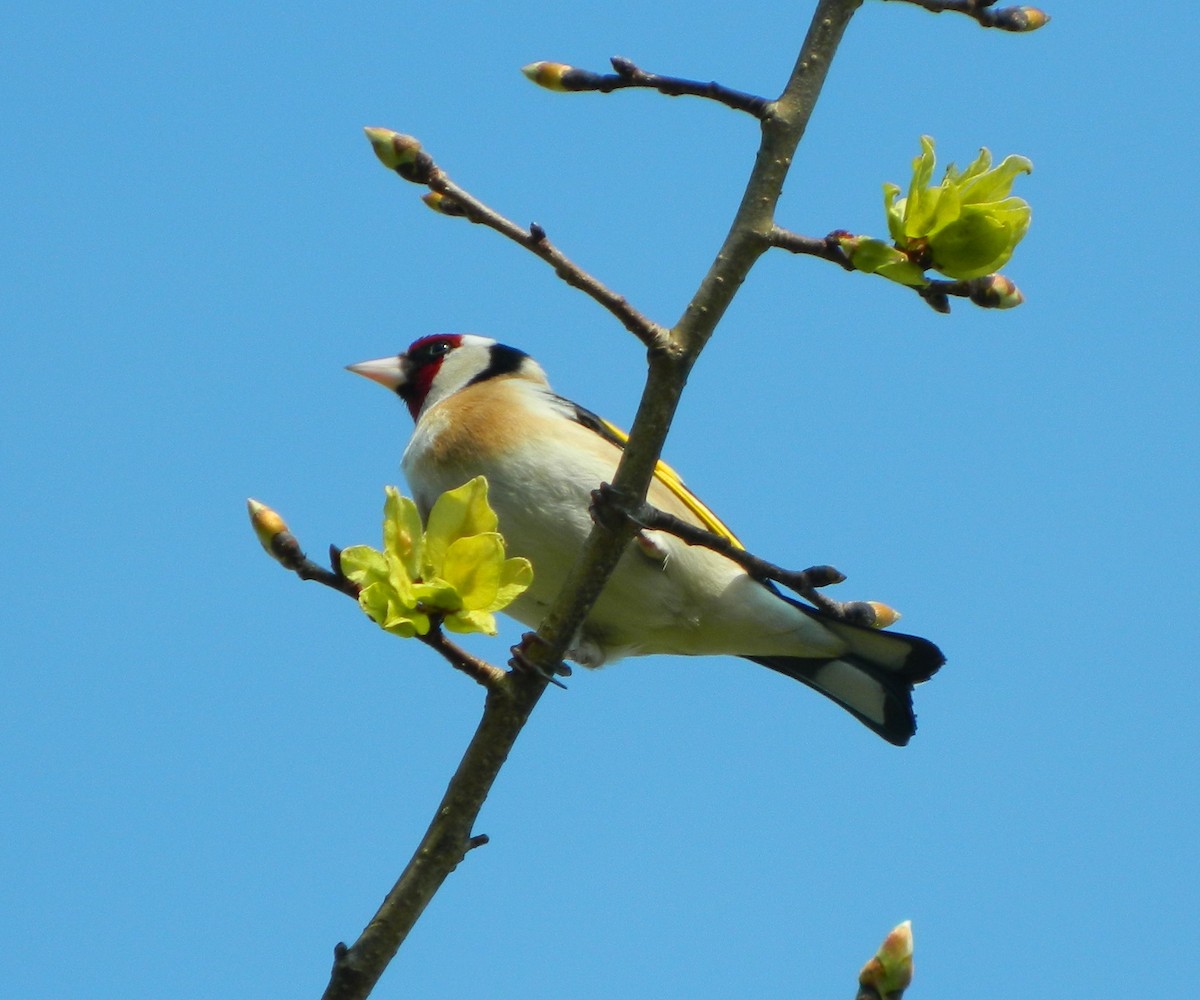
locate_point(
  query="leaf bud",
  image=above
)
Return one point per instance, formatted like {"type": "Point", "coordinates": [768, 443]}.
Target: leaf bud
{"type": "Point", "coordinates": [548, 74]}
{"type": "Point", "coordinates": [401, 153]}
{"type": "Point", "coordinates": [890, 971]}
{"type": "Point", "coordinates": [884, 615]}
{"type": "Point", "coordinates": [1020, 18]}
{"type": "Point", "coordinates": [995, 291]}
{"type": "Point", "coordinates": [443, 203]}
{"type": "Point", "coordinates": [266, 522]}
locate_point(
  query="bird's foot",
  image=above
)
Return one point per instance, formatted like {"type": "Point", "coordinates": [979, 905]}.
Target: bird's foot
{"type": "Point", "coordinates": [611, 508]}
{"type": "Point", "coordinates": [520, 660]}
{"type": "Point", "coordinates": [866, 613]}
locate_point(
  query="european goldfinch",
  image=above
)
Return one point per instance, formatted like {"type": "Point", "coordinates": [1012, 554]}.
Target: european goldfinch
{"type": "Point", "coordinates": [482, 408]}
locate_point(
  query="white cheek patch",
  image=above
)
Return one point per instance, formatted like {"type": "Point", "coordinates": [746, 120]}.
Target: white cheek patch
{"type": "Point", "coordinates": [458, 368]}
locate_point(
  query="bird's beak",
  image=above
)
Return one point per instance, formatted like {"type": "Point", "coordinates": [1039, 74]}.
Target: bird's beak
{"type": "Point", "coordinates": [391, 372]}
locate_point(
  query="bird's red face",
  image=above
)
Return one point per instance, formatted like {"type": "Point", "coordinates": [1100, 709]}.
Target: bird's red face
{"type": "Point", "coordinates": [411, 375]}
{"type": "Point", "coordinates": [438, 366]}
{"type": "Point", "coordinates": [424, 362]}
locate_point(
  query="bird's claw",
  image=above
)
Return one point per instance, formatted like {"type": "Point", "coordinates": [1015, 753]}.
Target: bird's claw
{"type": "Point", "coordinates": [520, 661]}
{"type": "Point", "coordinates": [610, 508]}
{"type": "Point", "coordinates": [822, 576]}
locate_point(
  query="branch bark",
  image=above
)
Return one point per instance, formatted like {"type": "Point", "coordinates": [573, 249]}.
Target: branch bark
{"type": "Point", "coordinates": [986, 15]}
{"type": "Point", "coordinates": [992, 291]}
{"type": "Point", "coordinates": [557, 76]}
{"type": "Point", "coordinates": [405, 155]}
{"type": "Point", "coordinates": [357, 969]}
{"type": "Point", "coordinates": [671, 353]}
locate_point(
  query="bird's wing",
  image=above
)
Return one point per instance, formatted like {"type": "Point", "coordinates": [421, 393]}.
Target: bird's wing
{"type": "Point", "coordinates": [667, 476]}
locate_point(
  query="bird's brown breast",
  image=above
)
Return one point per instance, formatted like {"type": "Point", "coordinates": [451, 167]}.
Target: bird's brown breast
{"type": "Point", "coordinates": [475, 424]}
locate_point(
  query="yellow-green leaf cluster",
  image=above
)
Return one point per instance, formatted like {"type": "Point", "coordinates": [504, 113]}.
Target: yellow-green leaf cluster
{"type": "Point", "coordinates": [877, 257]}
{"type": "Point", "coordinates": [968, 225]}
{"type": "Point", "coordinates": [454, 569]}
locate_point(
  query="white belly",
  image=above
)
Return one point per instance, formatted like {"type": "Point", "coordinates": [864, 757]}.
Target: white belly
{"type": "Point", "coordinates": [697, 602]}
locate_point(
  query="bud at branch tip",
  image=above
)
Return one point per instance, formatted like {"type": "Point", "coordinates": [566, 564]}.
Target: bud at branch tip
{"type": "Point", "coordinates": [1021, 18]}
{"type": "Point", "coordinates": [393, 149]}
{"type": "Point", "coordinates": [266, 523]}
{"type": "Point", "coordinates": [891, 970]}
{"type": "Point", "coordinates": [884, 614]}
{"type": "Point", "coordinates": [548, 74]}
{"type": "Point", "coordinates": [443, 204]}
{"type": "Point", "coordinates": [995, 291]}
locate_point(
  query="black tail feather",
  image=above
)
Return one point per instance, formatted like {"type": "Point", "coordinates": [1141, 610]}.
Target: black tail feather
{"type": "Point", "coordinates": [873, 680]}
{"type": "Point", "coordinates": [880, 701]}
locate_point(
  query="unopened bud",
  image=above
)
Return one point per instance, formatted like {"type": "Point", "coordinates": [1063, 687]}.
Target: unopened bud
{"type": "Point", "coordinates": [890, 971]}
{"type": "Point", "coordinates": [1020, 18]}
{"type": "Point", "coordinates": [443, 203]}
{"type": "Point", "coordinates": [548, 74]}
{"type": "Point", "coordinates": [994, 291]}
{"type": "Point", "coordinates": [266, 523]}
{"type": "Point", "coordinates": [936, 296]}
{"type": "Point", "coordinates": [401, 153]}
{"type": "Point", "coordinates": [884, 615]}
{"type": "Point", "coordinates": [392, 148]}
{"type": "Point", "coordinates": [846, 240]}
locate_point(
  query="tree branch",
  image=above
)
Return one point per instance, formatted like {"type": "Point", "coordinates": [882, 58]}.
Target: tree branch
{"type": "Point", "coordinates": [827, 247]}
{"type": "Point", "coordinates": [671, 356]}
{"type": "Point", "coordinates": [445, 844]}
{"type": "Point", "coordinates": [992, 291]}
{"type": "Point", "coordinates": [285, 549]}
{"type": "Point", "coordinates": [805, 582]}
{"type": "Point", "coordinates": [557, 76]}
{"type": "Point", "coordinates": [405, 155]}
{"type": "Point", "coordinates": [1004, 18]}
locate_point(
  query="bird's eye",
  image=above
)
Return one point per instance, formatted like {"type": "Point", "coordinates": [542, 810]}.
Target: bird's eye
{"type": "Point", "coordinates": [428, 351]}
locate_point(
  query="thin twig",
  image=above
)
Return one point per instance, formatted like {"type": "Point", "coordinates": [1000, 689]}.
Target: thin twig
{"type": "Point", "coordinates": [406, 157]}
{"type": "Point", "coordinates": [535, 240]}
{"type": "Point", "coordinates": [671, 355]}
{"type": "Point", "coordinates": [285, 547]}
{"type": "Point", "coordinates": [827, 247]}
{"type": "Point", "coordinates": [629, 76]}
{"type": "Point", "coordinates": [356, 969]}
{"type": "Point", "coordinates": [1004, 18]}
{"type": "Point", "coordinates": [804, 582]}
{"type": "Point", "coordinates": [287, 552]}
{"type": "Point", "coordinates": [992, 291]}
{"type": "Point", "coordinates": [478, 670]}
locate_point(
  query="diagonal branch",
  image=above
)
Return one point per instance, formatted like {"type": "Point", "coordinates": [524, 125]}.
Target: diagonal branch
{"type": "Point", "coordinates": [671, 355]}
{"type": "Point", "coordinates": [782, 128]}
{"type": "Point", "coordinates": [405, 155]}
{"type": "Point", "coordinates": [992, 291]}
{"type": "Point", "coordinates": [805, 582]}
{"type": "Point", "coordinates": [826, 247]}
{"type": "Point", "coordinates": [1004, 18]}
{"type": "Point", "coordinates": [357, 968]}
{"type": "Point", "coordinates": [558, 76]}
{"type": "Point", "coordinates": [285, 549]}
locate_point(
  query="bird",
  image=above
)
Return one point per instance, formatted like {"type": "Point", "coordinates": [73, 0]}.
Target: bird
{"type": "Point", "coordinates": [483, 408]}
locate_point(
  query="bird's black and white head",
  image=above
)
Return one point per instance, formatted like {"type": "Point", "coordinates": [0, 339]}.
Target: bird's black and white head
{"type": "Point", "coordinates": [440, 365]}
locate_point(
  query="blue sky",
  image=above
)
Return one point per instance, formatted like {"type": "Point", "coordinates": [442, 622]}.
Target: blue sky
{"type": "Point", "coordinates": [212, 772]}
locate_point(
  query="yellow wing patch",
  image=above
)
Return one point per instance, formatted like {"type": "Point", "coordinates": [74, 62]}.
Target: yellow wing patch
{"type": "Point", "coordinates": [671, 480]}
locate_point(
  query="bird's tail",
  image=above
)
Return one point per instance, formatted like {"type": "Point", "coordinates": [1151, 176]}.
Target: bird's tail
{"type": "Point", "coordinates": [872, 680]}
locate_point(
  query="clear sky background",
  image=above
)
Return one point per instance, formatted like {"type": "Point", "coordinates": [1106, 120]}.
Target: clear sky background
{"type": "Point", "coordinates": [211, 772]}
